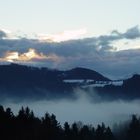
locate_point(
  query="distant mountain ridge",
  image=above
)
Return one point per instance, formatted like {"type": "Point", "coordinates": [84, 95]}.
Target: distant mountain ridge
{"type": "Point", "coordinates": [130, 89]}
{"type": "Point", "coordinates": [84, 73]}
{"type": "Point", "coordinates": [21, 71]}
{"type": "Point", "coordinates": [21, 81]}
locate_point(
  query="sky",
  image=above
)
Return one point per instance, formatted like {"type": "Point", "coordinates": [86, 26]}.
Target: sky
{"type": "Point", "coordinates": [103, 35]}
{"type": "Point", "coordinates": [53, 16]}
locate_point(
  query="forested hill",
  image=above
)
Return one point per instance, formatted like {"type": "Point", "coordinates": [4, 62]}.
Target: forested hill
{"type": "Point", "coordinates": [26, 81]}
{"type": "Point", "coordinates": [20, 77]}
{"type": "Point", "coordinates": [23, 73]}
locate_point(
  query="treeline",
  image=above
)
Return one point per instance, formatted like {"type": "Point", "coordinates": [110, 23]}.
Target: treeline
{"type": "Point", "coordinates": [26, 126]}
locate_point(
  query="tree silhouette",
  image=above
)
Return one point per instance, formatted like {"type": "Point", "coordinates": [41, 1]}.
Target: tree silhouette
{"type": "Point", "coordinates": [26, 126]}
{"type": "Point", "coordinates": [134, 129]}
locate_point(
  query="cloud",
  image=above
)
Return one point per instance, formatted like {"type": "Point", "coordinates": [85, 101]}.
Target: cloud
{"type": "Point", "coordinates": [102, 53]}
{"type": "Point", "coordinates": [32, 54]}
{"type": "Point", "coordinates": [2, 34]}
{"type": "Point", "coordinates": [64, 36]}
{"type": "Point", "coordinates": [105, 41]}
{"type": "Point", "coordinates": [132, 33]}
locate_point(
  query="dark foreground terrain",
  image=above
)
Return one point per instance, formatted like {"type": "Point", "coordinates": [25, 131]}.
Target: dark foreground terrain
{"type": "Point", "coordinates": [24, 82]}
{"type": "Point", "coordinates": [26, 126]}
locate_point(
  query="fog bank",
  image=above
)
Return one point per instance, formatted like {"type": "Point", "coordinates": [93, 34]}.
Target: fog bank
{"type": "Point", "coordinates": [83, 109]}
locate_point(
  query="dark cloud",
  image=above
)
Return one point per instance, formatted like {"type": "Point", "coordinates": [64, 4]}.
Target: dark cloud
{"type": "Point", "coordinates": [2, 34]}
{"type": "Point", "coordinates": [132, 33]}
{"type": "Point", "coordinates": [95, 52]}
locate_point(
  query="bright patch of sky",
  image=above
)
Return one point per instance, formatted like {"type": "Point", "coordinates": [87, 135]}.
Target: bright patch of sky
{"type": "Point", "coordinates": [51, 16]}
{"type": "Point", "coordinates": [125, 44]}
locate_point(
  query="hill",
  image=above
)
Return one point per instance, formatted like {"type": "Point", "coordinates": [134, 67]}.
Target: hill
{"type": "Point", "coordinates": [21, 80]}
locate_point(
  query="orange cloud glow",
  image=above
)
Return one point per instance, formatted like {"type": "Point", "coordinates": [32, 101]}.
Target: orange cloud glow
{"type": "Point", "coordinates": [32, 54]}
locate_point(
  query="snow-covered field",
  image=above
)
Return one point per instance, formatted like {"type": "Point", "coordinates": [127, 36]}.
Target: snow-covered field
{"type": "Point", "coordinates": [93, 83]}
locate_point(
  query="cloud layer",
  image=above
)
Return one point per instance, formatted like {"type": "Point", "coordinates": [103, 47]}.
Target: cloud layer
{"type": "Point", "coordinates": [64, 36]}
{"type": "Point", "coordinates": [98, 53]}
{"type": "Point", "coordinates": [2, 34]}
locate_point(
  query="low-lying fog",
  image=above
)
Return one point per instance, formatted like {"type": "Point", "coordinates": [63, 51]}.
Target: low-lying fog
{"type": "Point", "coordinates": [83, 109]}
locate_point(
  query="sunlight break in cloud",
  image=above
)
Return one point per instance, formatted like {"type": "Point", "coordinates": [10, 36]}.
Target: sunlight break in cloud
{"type": "Point", "coordinates": [64, 36]}
{"type": "Point", "coordinates": [31, 54]}
{"type": "Point", "coordinates": [12, 56]}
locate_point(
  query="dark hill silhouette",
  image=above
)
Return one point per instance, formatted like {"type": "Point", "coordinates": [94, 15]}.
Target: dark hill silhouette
{"type": "Point", "coordinates": [29, 74]}
{"type": "Point", "coordinates": [130, 89]}
{"type": "Point", "coordinates": [21, 80]}
{"type": "Point", "coordinates": [133, 82]}
{"type": "Point", "coordinates": [132, 85]}
{"type": "Point", "coordinates": [15, 73]}
{"type": "Point", "coordinates": [26, 81]}
{"type": "Point", "coordinates": [83, 73]}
